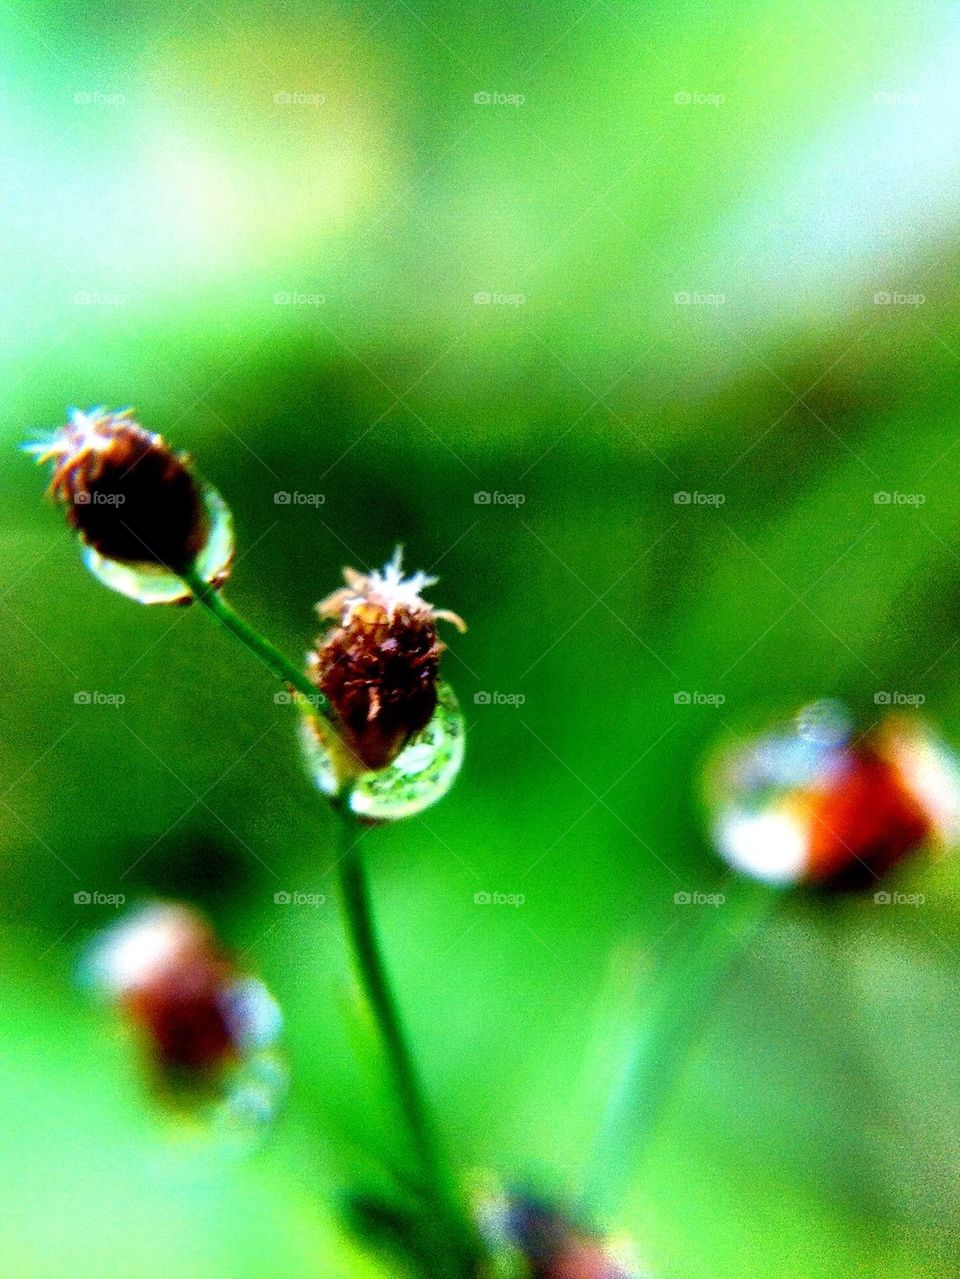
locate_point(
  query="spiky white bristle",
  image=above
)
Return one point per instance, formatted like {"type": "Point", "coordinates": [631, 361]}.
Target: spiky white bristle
{"type": "Point", "coordinates": [386, 589]}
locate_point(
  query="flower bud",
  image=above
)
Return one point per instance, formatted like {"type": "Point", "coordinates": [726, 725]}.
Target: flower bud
{"type": "Point", "coordinates": [126, 493]}
{"type": "Point", "coordinates": [142, 514]}
{"type": "Point", "coordinates": [813, 803]}
{"type": "Point", "coordinates": [378, 666]}
{"type": "Point", "coordinates": [200, 1022]}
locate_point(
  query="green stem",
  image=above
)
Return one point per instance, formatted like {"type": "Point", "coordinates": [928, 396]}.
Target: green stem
{"type": "Point", "coordinates": [453, 1235]}
{"type": "Point", "coordinates": [272, 658]}
{"type": "Point", "coordinates": [671, 1025]}
{"type": "Point", "coordinates": [453, 1238]}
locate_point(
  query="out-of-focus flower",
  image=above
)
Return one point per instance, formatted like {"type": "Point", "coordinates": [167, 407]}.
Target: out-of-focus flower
{"type": "Point", "coordinates": [379, 664]}
{"type": "Point", "coordinates": [812, 802]}
{"type": "Point", "coordinates": [142, 514]}
{"type": "Point", "coordinates": [206, 1029]}
{"type": "Point", "coordinates": [549, 1243]}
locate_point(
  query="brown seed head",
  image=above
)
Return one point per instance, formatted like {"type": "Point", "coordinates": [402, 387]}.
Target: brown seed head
{"type": "Point", "coordinates": [379, 665]}
{"type": "Point", "coordinates": [127, 494]}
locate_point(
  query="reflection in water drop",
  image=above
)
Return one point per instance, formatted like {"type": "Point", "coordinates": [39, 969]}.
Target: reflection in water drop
{"type": "Point", "coordinates": [421, 774]}
{"type": "Point", "coordinates": [827, 722]}
{"type": "Point", "coordinates": [809, 801]}
{"type": "Point", "coordinates": [152, 584]}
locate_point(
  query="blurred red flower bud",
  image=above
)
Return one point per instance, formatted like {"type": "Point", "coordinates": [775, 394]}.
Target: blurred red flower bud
{"type": "Point", "coordinates": [199, 1020]}
{"type": "Point", "coordinates": [552, 1244]}
{"type": "Point", "coordinates": [811, 802]}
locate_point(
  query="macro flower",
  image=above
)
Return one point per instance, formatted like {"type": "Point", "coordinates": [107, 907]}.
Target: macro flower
{"type": "Point", "coordinates": [126, 493]}
{"type": "Point", "coordinates": [378, 665]}
{"type": "Point", "coordinates": [140, 511]}
{"type": "Point", "coordinates": [812, 802]}
{"type": "Point", "coordinates": [203, 1026]}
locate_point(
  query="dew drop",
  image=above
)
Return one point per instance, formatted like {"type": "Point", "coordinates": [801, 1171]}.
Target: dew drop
{"type": "Point", "coordinates": [825, 723]}
{"type": "Point", "coordinates": [152, 584]}
{"type": "Point", "coordinates": [421, 774]}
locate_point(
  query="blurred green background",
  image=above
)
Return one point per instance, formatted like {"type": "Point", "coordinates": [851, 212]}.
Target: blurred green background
{"type": "Point", "coordinates": [670, 249]}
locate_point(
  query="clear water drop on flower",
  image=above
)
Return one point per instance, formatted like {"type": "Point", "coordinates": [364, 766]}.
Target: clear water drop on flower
{"type": "Point", "coordinates": [420, 775]}
{"type": "Point", "coordinates": [153, 584]}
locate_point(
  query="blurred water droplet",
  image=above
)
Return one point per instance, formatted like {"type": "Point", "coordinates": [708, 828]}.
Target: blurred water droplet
{"type": "Point", "coordinates": [826, 723]}
{"type": "Point", "coordinates": [151, 584]}
{"type": "Point", "coordinates": [421, 774]}
{"type": "Point", "coordinates": [251, 1094]}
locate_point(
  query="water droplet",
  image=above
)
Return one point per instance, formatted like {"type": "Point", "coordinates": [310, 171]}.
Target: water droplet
{"type": "Point", "coordinates": [232, 1113]}
{"type": "Point", "coordinates": [808, 801]}
{"type": "Point", "coordinates": [421, 774]}
{"type": "Point", "coordinates": [151, 584]}
{"type": "Point", "coordinates": [826, 723]}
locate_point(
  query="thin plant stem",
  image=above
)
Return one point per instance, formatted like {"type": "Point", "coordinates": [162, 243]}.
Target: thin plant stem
{"type": "Point", "coordinates": [454, 1241]}
{"type": "Point", "coordinates": [455, 1236]}
{"type": "Point", "coordinates": [670, 1026]}
{"type": "Point", "coordinates": [272, 658]}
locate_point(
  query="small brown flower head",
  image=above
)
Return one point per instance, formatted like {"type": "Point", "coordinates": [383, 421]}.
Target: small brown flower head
{"type": "Point", "coordinates": [379, 664]}
{"type": "Point", "coordinates": [127, 494]}
{"type": "Point", "coordinates": [197, 1017]}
